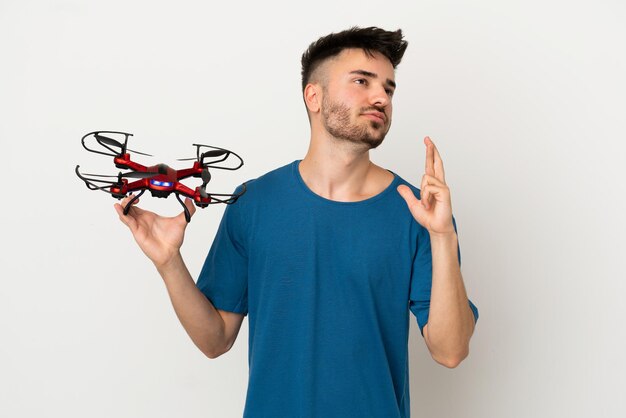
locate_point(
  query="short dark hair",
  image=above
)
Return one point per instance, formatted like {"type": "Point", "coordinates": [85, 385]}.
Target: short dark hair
{"type": "Point", "coordinates": [371, 39]}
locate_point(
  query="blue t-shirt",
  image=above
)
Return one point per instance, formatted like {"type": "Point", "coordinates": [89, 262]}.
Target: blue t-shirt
{"type": "Point", "coordinates": [327, 287]}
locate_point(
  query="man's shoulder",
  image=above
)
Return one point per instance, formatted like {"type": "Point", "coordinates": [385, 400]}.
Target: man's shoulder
{"type": "Point", "coordinates": [276, 175]}
{"type": "Point", "coordinates": [267, 185]}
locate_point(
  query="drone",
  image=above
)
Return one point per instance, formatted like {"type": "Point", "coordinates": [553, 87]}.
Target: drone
{"type": "Point", "coordinates": [160, 179]}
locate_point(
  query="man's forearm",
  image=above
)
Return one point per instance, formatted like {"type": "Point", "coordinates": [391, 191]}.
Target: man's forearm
{"type": "Point", "coordinates": [196, 313]}
{"type": "Point", "coordinates": [451, 320]}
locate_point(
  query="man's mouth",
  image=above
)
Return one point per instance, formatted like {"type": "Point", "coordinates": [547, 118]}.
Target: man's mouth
{"type": "Point", "coordinates": [375, 116]}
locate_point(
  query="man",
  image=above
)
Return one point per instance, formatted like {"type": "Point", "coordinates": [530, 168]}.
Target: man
{"type": "Point", "coordinates": [328, 255]}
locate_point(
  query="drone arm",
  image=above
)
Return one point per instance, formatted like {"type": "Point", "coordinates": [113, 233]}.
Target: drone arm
{"type": "Point", "coordinates": [194, 195]}
{"type": "Point", "coordinates": [141, 184]}
{"type": "Point", "coordinates": [189, 172]}
{"type": "Point", "coordinates": [184, 190]}
{"type": "Point", "coordinates": [124, 161]}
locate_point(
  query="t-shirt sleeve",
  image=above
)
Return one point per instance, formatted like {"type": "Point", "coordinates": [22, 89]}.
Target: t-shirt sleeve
{"type": "Point", "coordinates": [224, 276]}
{"type": "Point", "coordinates": [421, 279]}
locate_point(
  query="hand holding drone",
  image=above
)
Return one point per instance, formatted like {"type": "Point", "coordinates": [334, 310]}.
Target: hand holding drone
{"type": "Point", "coordinates": [160, 179]}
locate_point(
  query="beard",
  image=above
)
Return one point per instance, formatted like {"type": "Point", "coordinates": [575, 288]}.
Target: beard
{"type": "Point", "coordinates": [338, 123]}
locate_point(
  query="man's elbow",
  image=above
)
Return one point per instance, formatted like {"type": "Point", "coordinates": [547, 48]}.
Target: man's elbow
{"type": "Point", "coordinates": [450, 357]}
{"type": "Point", "coordinates": [452, 361]}
{"type": "Point", "coordinates": [214, 352]}
{"type": "Point", "coordinates": [212, 355]}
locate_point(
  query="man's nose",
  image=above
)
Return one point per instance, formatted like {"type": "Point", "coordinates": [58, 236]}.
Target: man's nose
{"type": "Point", "coordinates": [379, 96]}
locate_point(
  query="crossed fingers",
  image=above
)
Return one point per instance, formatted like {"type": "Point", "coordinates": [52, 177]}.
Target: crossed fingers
{"type": "Point", "coordinates": [434, 179]}
{"type": "Point", "coordinates": [434, 164]}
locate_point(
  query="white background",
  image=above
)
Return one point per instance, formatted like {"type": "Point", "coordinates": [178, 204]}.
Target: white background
{"type": "Point", "coordinates": [524, 99]}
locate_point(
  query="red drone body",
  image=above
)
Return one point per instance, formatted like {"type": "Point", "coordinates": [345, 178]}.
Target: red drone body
{"type": "Point", "coordinates": [160, 179]}
{"type": "Point", "coordinates": [162, 183]}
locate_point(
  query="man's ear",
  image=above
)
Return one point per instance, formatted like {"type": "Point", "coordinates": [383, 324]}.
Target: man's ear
{"type": "Point", "coordinates": [312, 97]}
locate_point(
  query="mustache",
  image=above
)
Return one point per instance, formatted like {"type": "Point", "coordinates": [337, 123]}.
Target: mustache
{"type": "Point", "coordinates": [375, 109]}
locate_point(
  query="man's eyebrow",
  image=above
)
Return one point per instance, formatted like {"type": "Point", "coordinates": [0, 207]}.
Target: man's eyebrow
{"type": "Point", "coordinates": [373, 75]}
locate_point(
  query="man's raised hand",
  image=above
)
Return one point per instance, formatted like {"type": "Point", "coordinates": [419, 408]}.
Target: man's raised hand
{"type": "Point", "coordinates": [434, 210]}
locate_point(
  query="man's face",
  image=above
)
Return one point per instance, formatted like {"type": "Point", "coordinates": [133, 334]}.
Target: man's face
{"type": "Point", "coordinates": [356, 101]}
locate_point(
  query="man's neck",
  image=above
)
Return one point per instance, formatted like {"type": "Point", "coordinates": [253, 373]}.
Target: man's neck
{"type": "Point", "coordinates": [342, 171]}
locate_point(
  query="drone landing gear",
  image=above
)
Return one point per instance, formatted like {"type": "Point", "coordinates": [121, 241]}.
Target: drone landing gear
{"type": "Point", "coordinates": [130, 203]}
{"type": "Point", "coordinates": [187, 214]}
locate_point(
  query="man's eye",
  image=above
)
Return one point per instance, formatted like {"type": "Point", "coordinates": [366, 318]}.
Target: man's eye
{"type": "Point", "coordinates": [389, 92]}
{"type": "Point", "coordinates": [360, 81]}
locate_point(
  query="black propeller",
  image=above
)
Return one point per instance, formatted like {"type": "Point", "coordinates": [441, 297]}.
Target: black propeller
{"type": "Point", "coordinates": [213, 153]}
{"type": "Point", "coordinates": [141, 153]}
{"type": "Point", "coordinates": [138, 174]}
{"type": "Point", "coordinates": [109, 141]}
{"type": "Point", "coordinates": [208, 154]}
{"type": "Point", "coordinates": [206, 178]}
{"type": "Point", "coordinates": [130, 174]}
